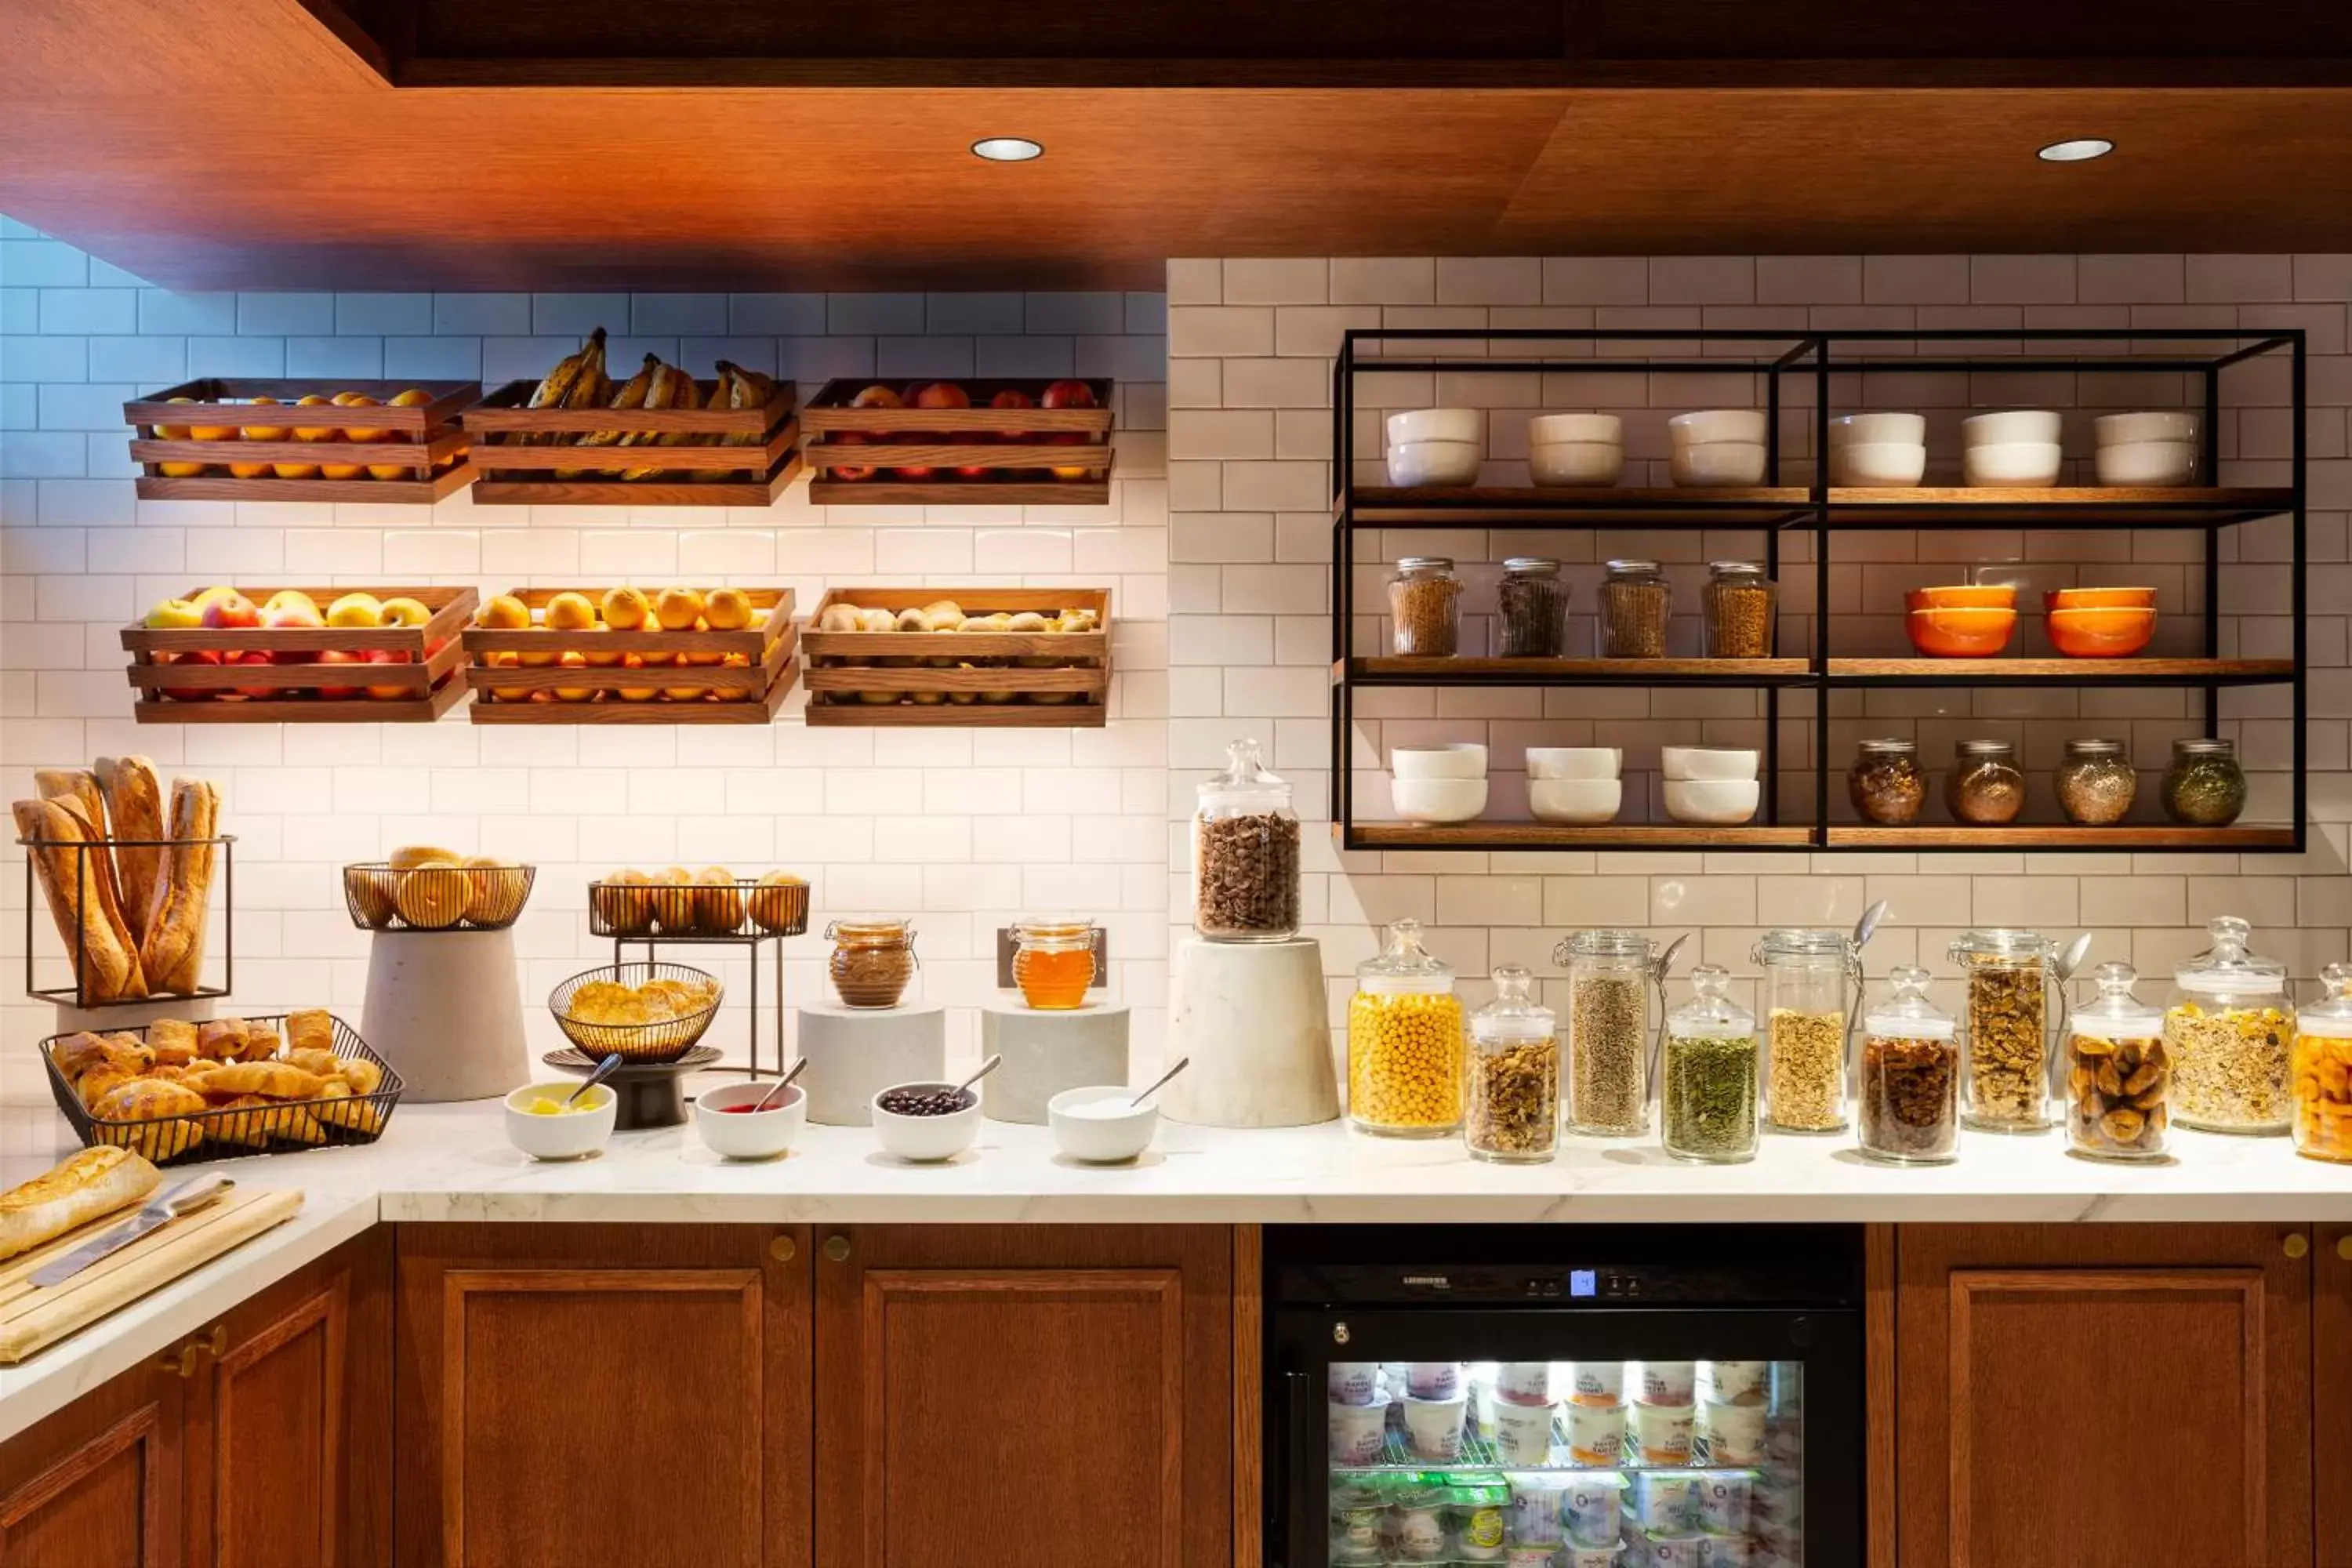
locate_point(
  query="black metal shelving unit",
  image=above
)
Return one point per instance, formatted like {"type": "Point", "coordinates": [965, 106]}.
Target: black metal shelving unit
{"type": "Point", "coordinates": [1774, 510]}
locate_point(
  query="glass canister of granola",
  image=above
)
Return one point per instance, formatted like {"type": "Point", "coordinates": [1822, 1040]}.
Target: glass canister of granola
{"type": "Point", "coordinates": [2012, 982]}
{"type": "Point", "coordinates": [2321, 1070]}
{"type": "Point", "coordinates": [1909, 1097]}
{"type": "Point", "coordinates": [2118, 1073]}
{"type": "Point", "coordinates": [1807, 1010]}
{"type": "Point", "coordinates": [1513, 1116]}
{"type": "Point", "coordinates": [1404, 1042]}
{"type": "Point", "coordinates": [2230, 1026]}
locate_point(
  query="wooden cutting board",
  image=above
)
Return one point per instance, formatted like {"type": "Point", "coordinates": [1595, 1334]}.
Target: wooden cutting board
{"type": "Point", "coordinates": [32, 1318]}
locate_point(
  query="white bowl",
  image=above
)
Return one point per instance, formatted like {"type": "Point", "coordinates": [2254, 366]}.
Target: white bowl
{"type": "Point", "coordinates": [1432, 462]}
{"type": "Point", "coordinates": [1575, 800]}
{"type": "Point", "coordinates": [1461, 759]}
{"type": "Point", "coordinates": [1708, 762]}
{"type": "Point", "coordinates": [1576, 463]}
{"type": "Point", "coordinates": [1871, 429]}
{"type": "Point", "coordinates": [1435, 425]}
{"type": "Point", "coordinates": [749, 1134]}
{"type": "Point", "coordinates": [1865, 463]}
{"type": "Point", "coordinates": [2011, 426]}
{"type": "Point", "coordinates": [2034, 463]}
{"type": "Point", "coordinates": [2147, 463]}
{"type": "Point", "coordinates": [575, 1134]}
{"type": "Point", "coordinates": [1718, 463]}
{"type": "Point", "coordinates": [2160, 424]}
{"type": "Point", "coordinates": [1552, 430]}
{"type": "Point", "coordinates": [927, 1139]}
{"type": "Point", "coordinates": [1116, 1131]}
{"type": "Point", "coordinates": [1715, 802]}
{"type": "Point", "coordinates": [1574, 762]}
{"type": "Point", "coordinates": [1438, 800]}
{"type": "Point", "coordinates": [1710, 426]}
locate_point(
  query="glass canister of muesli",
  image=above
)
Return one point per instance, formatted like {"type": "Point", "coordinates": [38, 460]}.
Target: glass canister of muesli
{"type": "Point", "coordinates": [1910, 1076]}
{"type": "Point", "coordinates": [2118, 1073]}
{"type": "Point", "coordinates": [2230, 1026]}
{"type": "Point", "coordinates": [2011, 980]}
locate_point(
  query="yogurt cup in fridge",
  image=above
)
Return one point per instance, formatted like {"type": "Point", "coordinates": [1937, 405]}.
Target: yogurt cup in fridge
{"type": "Point", "coordinates": [1674, 1383]}
{"type": "Point", "coordinates": [1599, 1382]}
{"type": "Point", "coordinates": [1479, 1531]}
{"type": "Point", "coordinates": [1530, 1557]}
{"type": "Point", "coordinates": [1722, 1498]}
{"type": "Point", "coordinates": [1734, 1435]}
{"type": "Point", "coordinates": [1523, 1434]}
{"type": "Point", "coordinates": [1593, 1510]}
{"type": "Point", "coordinates": [1666, 1501]}
{"type": "Point", "coordinates": [1359, 1517]}
{"type": "Point", "coordinates": [1433, 1379]}
{"type": "Point", "coordinates": [1736, 1382]}
{"type": "Point", "coordinates": [1353, 1382]}
{"type": "Point", "coordinates": [1420, 1531]}
{"type": "Point", "coordinates": [1575, 1556]}
{"type": "Point", "coordinates": [1650, 1550]}
{"type": "Point", "coordinates": [1725, 1551]}
{"type": "Point", "coordinates": [1536, 1502]}
{"type": "Point", "coordinates": [1523, 1382]}
{"type": "Point", "coordinates": [1358, 1432]}
{"type": "Point", "coordinates": [1434, 1428]}
{"type": "Point", "coordinates": [1662, 1433]}
{"type": "Point", "coordinates": [1596, 1434]}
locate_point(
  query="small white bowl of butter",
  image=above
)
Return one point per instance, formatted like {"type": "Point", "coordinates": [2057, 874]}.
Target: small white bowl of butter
{"type": "Point", "coordinates": [1100, 1125]}
{"type": "Point", "coordinates": [541, 1124]}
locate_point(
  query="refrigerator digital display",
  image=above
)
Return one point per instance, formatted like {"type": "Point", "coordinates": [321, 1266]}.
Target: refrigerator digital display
{"type": "Point", "coordinates": [1580, 1282]}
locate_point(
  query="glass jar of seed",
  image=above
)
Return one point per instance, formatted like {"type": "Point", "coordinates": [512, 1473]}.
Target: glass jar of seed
{"type": "Point", "coordinates": [2095, 782]}
{"type": "Point", "coordinates": [1404, 1042]}
{"type": "Point", "coordinates": [2203, 784]}
{"type": "Point", "coordinates": [1513, 1116]}
{"type": "Point", "coordinates": [1533, 603]}
{"type": "Point", "coordinates": [1706, 1075]}
{"type": "Point", "coordinates": [1986, 788]}
{"type": "Point", "coordinates": [2230, 1026]}
{"type": "Point", "coordinates": [2012, 982]}
{"type": "Point", "coordinates": [1910, 1076]}
{"type": "Point", "coordinates": [1425, 607]}
{"type": "Point", "coordinates": [1609, 974]}
{"type": "Point", "coordinates": [1806, 1000]}
{"type": "Point", "coordinates": [1735, 609]}
{"type": "Point", "coordinates": [1885, 782]}
{"type": "Point", "coordinates": [1635, 600]}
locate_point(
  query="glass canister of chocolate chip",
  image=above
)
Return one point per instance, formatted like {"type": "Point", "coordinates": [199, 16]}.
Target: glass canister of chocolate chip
{"type": "Point", "coordinates": [1635, 600]}
{"type": "Point", "coordinates": [2095, 782]}
{"type": "Point", "coordinates": [1533, 602]}
{"type": "Point", "coordinates": [2203, 784]}
{"type": "Point", "coordinates": [1885, 782]}
{"type": "Point", "coordinates": [1986, 788]}
{"type": "Point", "coordinates": [873, 961]}
{"type": "Point", "coordinates": [1513, 1114]}
{"type": "Point", "coordinates": [1245, 853]}
{"type": "Point", "coordinates": [1736, 609]}
{"type": "Point", "coordinates": [1425, 607]}
{"type": "Point", "coordinates": [2011, 978]}
{"type": "Point", "coordinates": [1909, 1090]}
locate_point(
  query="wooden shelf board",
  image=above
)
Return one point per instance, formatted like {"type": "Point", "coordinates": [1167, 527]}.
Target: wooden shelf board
{"type": "Point", "coordinates": [950, 715]}
{"type": "Point", "coordinates": [1399, 671]}
{"type": "Point", "coordinates": [1556, 836]}
{"type": "Point", "coordinates": [2071, 506]}
{"type": "Point", "coordinates": [1381, 506]}
{"type": "Point", "coordinates": [2066, 671]}
{"type": "Point", "coordinates": [2061, 835]}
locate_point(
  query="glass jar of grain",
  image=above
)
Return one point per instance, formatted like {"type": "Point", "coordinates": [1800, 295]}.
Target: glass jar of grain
{"type": "Point", "coordinates": [1885, 782]}
{"type": "Point", "coordinates": [1737, 608]}
{"type": "Point", "coordinates": [2203, 784]}
{"type": "Point", "coordinates": [1533, 602]}
{"type": "Point", "coordinates": [1635, 600]}
{"type": "Point", "coordinates": [1610, 976]}
{"type": "Point", "coordinates": [1809, 978]}
{"type": "Point", "coordinates": [1986, 788]}
{"type": "Point", "coordinates": [1425, 607]}
{"type": "Point", "coordinates": [2095, 782]}
{"type": "Point", "coordinates": [2012, 986]}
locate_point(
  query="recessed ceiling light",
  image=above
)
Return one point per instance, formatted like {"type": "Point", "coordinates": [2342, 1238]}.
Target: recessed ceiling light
{"type": "Point", "coordinates": [2073, 151]}
{"type": "Point", "coordinates": [1007, 149]}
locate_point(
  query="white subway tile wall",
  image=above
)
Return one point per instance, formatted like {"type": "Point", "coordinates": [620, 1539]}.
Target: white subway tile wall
{"type": "Point", "coordinates": [1249, 551]}
{"type": "Point", "coordinates": [961, 830]}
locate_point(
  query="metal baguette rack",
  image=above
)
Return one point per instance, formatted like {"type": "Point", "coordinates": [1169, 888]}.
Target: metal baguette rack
{"type": "Point", "coordinates": [745, 913]}
{"type": "Point", "coordinates": [85, 879]}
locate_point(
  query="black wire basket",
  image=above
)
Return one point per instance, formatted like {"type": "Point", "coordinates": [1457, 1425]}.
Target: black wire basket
{"type": "Point", "coordinates": [744, 907]}
{"type": "Point", "coordinates": [78, 994]}
{"type": "Point", "coordinates": [437, 897]}
{"type": "Point", "coordinates": [659, 1040]}
{"type": "Point", "coordinates": [233, 1131]}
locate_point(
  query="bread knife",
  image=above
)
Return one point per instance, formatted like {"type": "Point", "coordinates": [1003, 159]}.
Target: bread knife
{"type": "Point", "coordinates": [184, 1199]}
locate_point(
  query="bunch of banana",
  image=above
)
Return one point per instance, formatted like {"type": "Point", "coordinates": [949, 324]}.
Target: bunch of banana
{"type": "Point", "coordinates": [671, 388]}
{"type": "Point", "coordinates": [579, 381]}
{"type": "Point", "coordinates": [740, 389]}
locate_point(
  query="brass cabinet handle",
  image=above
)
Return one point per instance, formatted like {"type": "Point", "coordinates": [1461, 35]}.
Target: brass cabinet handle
{"type": "Point", "coordinates": [2344, 1247]}
{"type": "Point", "coordinates": [836, 1249]}
{"type": "Point", "coordinates": [2296, 1244]}
{"type": "Point", "coordinates": [182, 1360]}
{"type": "Point", "coordinates": [782, 1250]}
{"type": "Point", "coordinates": [219, 1340]}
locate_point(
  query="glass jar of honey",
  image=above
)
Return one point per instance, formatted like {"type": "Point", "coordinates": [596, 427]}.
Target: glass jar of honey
{"type": "Point", "coordinates": [1054, 961]}
{"type": "Point", "coordinates": [872, 961]}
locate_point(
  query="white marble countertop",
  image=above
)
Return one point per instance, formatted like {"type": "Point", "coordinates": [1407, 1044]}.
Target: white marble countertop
{"type": "Point", "coordinates": [439, 1162]}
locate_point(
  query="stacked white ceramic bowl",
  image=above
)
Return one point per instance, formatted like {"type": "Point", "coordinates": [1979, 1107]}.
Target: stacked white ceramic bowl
{"type": "Point", "coordinates": [1575, 784]}
{"type": "Point", "coordinates": [1713, 785]}
{"type": "Point", "coordinates": [1718, 447]}
{"type": "Point", "coordinates": [1576, 448]}
{"type": "Point", "coordinates": [2159, 447]}
{"type": "Point", "coordinates": [1435, 446]}
{"type": "Point", "coordinates": [1438, 784]}
{"type": "Point", "coordinates": [1877, 450]}
{"type": "Point", "coordinates": [2016, 449]}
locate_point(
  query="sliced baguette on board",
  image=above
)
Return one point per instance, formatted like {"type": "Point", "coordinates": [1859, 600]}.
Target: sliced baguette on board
{"type": "Point", "coordinates": [134, 809]}
{"type": "Point", "coordinates": [89, 1185]}
{"type": "Point", "coordinates": [111, 969]}
{"type": "Point", "coordinates": [174, 955]}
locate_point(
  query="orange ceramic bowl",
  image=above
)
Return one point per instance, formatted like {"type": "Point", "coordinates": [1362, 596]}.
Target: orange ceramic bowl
{"type": "Point", "coordinates": [1977, 632]}
{"type": "Point", "coordinates": [2103, 632]}
{"type": "Point", "coordinates": [1962, 596]}
{"type": "Point", "coordinates": [2099, 599]}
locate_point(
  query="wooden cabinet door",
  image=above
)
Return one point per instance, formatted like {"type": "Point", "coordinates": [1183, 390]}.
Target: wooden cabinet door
{"type": "Point", "coordinates": [1024, 1396]}
{"type": "Point", "coordinates": [2331, 1383]}
{"type": "Point", "coordinates": [289, 1428]}
{"type": "Point", "coordinates": [97, 1484]}
{"type": "Point", "coordinates": [592, 1393]}
{"type": "Point", "coordinates": [2103, 1397]}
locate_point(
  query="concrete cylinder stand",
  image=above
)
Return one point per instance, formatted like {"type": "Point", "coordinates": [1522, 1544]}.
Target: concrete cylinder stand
{"type": "Point", "coordinates": [1251, 1017]}
{"type": "Point", "coordinates": [445, 1008]}
{"type": "Point", "coordinates": [1047, 1052]}
{"type": "Point", "coordinates": [856, 1053]}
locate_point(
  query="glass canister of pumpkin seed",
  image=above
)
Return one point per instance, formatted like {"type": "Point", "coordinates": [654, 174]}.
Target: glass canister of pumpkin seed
{"type": "Point", "coordinates": [1806, 1006]}
{"type": "Point", "coordinates": [1707, 1076]}
{"type": "Point", "coordinates": [2230, 1028]}
{"type": "Point", "coordinates": [1404, 1042]}
{"type": "Point", "coordinates": [1609, 974]}
{"type": "Point", "coordinates": [1513, 1116]}
{"type": "Point", "coordinates": [2203, 784]}
{"type": "Point", "coordinates": [1533, 602]}
{"type": "Point", "coordinates": [2012, 987]}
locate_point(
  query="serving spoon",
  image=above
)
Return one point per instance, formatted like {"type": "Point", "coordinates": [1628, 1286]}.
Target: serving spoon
{"type": "Point", "coordinates": [1181, 1063]}
{"type": "Point", "coordinates": [782, 1084]}
{"type": "Point", "coordinates": [605, 1070]}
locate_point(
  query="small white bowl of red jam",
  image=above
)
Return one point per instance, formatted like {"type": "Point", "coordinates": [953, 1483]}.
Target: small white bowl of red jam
{"type": "Point", "coordinates": [732, 1129]}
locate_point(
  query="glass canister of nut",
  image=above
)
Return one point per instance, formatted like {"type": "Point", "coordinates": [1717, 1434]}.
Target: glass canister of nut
{"type": "Point", "coordinates": [1809, 978]}
{"type": "Point", "coordinates": [1986, 788]}
{"type": "Point", "coordinates": [1707, 1075]}
{"type": "Point", "coordinates": [1735, 609]}
{"type": "Point", "coordinates": [1885, 782]}
{"type": "Point", "coordinates": [1054, 961]}
{"type": "Point", "coordinates": [2203, 784]}
{"type": "Point", "coordinates": [1424, 607]}
{"type": "Point", "coordinates": [1513, 1116]}
{"type": "Point", "coordinates": [1533, 603]}
{"type": "Point", "coordinates": [1404, 1042]}
{"type": "Point", "coordinates": [1245, 853]}
{"type": "Point", "coordinates": [2095, 782]}
{"type": "Point", "coordinates": [2011, 980]}
{"type": "Point", "coordinates": [872, 961]}
{"type": "Point", "coordinates": [2118, 1073]}
{"type": "Point", "coordinates": [2231, 1026]}
{"type": "Point", "coordinates": [1909, 1090]}
{"type": "Point", "coordinates": [2320, 1070]}
{"type": "Point", "coordinates": [1635, 600]}
{"type": "Point", "coordinates": [1609, 976]}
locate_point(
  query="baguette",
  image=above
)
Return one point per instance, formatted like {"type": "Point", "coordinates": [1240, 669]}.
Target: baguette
{"type": "Point", "coordinates": [175, 950]}
{"type": "Point", "coordinates": [90, 818]}
{"type": "Point", "coordinates": [78, 789]}
{"type": "Point", "coordinates": [109, 969]}
{"type": "Point", "coordinates": [134, 809]}
{"type": "Point", "coordinates": [92, 1183]}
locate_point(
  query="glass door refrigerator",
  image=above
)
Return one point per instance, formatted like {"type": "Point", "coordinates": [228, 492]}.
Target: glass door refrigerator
{"type": "Point", "coordinates": [1561, 1397]}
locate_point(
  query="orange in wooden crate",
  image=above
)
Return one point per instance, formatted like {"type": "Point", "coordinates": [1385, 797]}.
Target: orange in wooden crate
{"type": "Point", "coordinates": [216, 439]}
{"type": "Point", "coordinates": [621, 655]}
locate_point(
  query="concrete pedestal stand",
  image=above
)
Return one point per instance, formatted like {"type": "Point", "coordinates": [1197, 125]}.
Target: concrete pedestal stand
{"type": "Point", "coordinates": [856, 1053]}
{"type": "Point", "coordinates": [445, 1008]}
{"type": "Point", "coordinates": [1251, 1017]}
{"type": "Point", "coordinates": [1047, 1052]}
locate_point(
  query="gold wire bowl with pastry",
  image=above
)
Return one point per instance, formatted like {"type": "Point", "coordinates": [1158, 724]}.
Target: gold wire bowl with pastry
{"type": "Point", "coordinates": [646, 1012]}
{"type": "Point", "coordinates": [474, 892]}
{"type": "Point", "coordinates": [178, 1092]}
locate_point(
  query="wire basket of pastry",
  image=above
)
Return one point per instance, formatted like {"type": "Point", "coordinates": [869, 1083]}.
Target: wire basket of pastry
{"type": "Point", "coordinates": [422, 889]}
{"type": "Point", "coordinates": [709, 905]}
{"type": "Point", "coordinates": [126, 872]}
{"type": "Point", "coordinates": [178, 1092]}
{"type": "Point", "coordinates": [644, 1011]}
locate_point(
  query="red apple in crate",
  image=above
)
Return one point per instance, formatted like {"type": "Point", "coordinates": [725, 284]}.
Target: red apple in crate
{"type": "Point", "coordinates": [339, 693]}
{"type": "Point", "coordinates": [1010, 397]}
{"type": "Point", "coordinates": [1069, 395]}
{"type": "Point", "coordinates": [191, 693]}
{"type": "Point", "coordinates": [253, 656]}
{"type": "Point", "coordinates": [390, 693]}
{"type": "Point", "coordinates": [847, 438]}
{"type": "Point", "coordinates": [290, 617]}
{"type": "Point", "coordinates": [930, 395]}
{"type": "Point", "coordinates": [231, 611]}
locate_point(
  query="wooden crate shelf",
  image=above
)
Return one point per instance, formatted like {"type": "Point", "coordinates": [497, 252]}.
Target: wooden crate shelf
{"type": "Point", "coordinates": [999, 464]}
{"type": "Point", "coordinates": [751, 690]}
{"type": "Point", "coordinates": [431, 674]}
{"type": "Point", "coordinates": [424, 439]}
{"type": "Point", "coordinates": [738, 457]}
{"type": "Point", "coordinates": [843, 663]}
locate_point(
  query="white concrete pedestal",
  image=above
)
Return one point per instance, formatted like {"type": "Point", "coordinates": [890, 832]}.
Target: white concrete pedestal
{"type": "Point", "coordinates": [1251, 1017]}
{"type": "Point", "coordinates": [445, 1008]}
{"type": "Point", "coordinates": [856, 1053]}
{"type": "Point", "coordinates": [1047, 1052]}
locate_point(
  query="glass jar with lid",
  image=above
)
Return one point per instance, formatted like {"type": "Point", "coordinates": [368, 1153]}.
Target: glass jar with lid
{"type": "Point", "coordinates": [1054, 961]}
{"type": "Point", "coordinates": [1810, 977]}
{"type": "Point", "coordinates": [2320, 1070]}
{"type": "Point", "coordinates": [2203, 784]}
{"type": "Point", "coordinates": [1610, 976]}
{"type": "Point", "coordinates": [2118, 1073]}
{"type": "Point", "coordinates": [2229, 1025]}
{"type": "Point", "coordinates": [1707, 1075]}
{"type": "Point", "coordinates": [872, 961]}
{"type": "Point", "coordinates": [1885, 782]}
{"type": "Point", "coordinates": [1910, 1076]}
{"type": "Point", "coordinates": [2011, 981]}
{"type": "Point", "coordinates": [1986, 788]}
{"type": "Point", "coordinates": [1513, 1115]}
{"type": "Point", "coordinates": [1404, 1042]}
{"type": "Point", "coordinates": [1635, 600]}
{"type": "Point", "coordinates": [1245, 853]}
{"type": "Point", "coordinates": [1533, 602]}
{"type": "Point", "coordinates": [1424, 607]}
{"type": "Point", "coordinates": [2095, 782]}
{"type": "Point", "coordinates": [1736, 610]}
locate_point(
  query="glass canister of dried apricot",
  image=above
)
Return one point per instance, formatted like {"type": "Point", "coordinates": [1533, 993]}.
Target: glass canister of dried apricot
{"type": "Point", "coordinates": [1404, 1042]}
{"type": "Point", "coordinates": [2319, 1078]}
{"type": "Point", "coordinates": [1054, 961]}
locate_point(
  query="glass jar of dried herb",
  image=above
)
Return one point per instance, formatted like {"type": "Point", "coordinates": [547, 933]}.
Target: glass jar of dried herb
{"type": "Point", "coordinates": [2095, 782]}
{"type": "Point", "coordinates": [1805, 1001]}
{"type": "Point", "coordinates": [1609, 974]}
{"type": "Point", "coordinates": [1910, 1076]}
{"type": "Point", "coordinates": [1424, 607]}
{"type": "Point", "coordinates": [2012, 985]}
{"type": "Point", "coordinates": [2203, 785]}
{"type": "Point", "coordinates": [1735, 609]}
{"type": "Point", "coordinates": [1986, 788]}
{"type": "Point", "coordinates": [1635, 600]}
{"type": "Point", "coordinates": [1534, 604]}
{"type": "Point", "coordinates": [1707, 1075]}
{"type": "Point", "coordinates": [1886, 783]}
